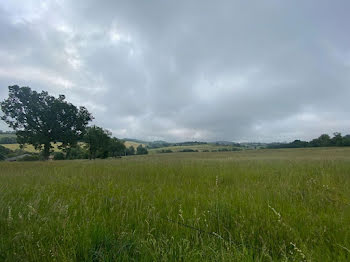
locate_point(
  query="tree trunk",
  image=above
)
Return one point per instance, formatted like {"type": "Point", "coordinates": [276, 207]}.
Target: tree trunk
{"type": "Point", "coordinates": [46, 152]}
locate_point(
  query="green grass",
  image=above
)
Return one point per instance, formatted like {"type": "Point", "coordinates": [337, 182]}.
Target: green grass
{"type": "Point", "coordinates": [258, 205]}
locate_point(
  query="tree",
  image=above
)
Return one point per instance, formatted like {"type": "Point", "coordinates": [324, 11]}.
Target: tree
{"type": "Point", "coordinates": [77, 152]}
{"type": "Point", "coordinates": [337, 140]}
{"type": "Point", "coordinates": [40, 119]}
{"type": "Point", "coordinates": [346, 140]}
{"type": "Point", "coordinates": [130, 151]}
{"type": "Point", "coordinates": [116, 147]}
{"type": "Point", "coordinates": [140, 150]}
{"type": "Point", "coordinates": [97, 141]}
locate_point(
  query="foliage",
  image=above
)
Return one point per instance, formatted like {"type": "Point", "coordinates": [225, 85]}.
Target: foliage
{"type": "Point", "coordinates": [165, 151]}
{"type": "Point", "coordinates": [140, 150]}
{"type": "Point", "coordinates": [261, 205]}
{"type": "Point", "coordinates": [323, 141]}
{"type": "Point", "coordinates": [188, 150]}
{"type": "Point", "coordinates": [77, 152]}
{"type": "Point", "coordinates": [58, 156]}
{"type": "Point", "coordinates": [40, 119]}
{"type": "Point", "coordinates": [30, 158]}
{"type": "Point", "coordinates": [116, 147]}
{"type": "Point", "coordinates": [130, 151]}
{"type": "Point", "coordinates": [4, 151]}
{"type": "Point", "coordinates": [97, 142]}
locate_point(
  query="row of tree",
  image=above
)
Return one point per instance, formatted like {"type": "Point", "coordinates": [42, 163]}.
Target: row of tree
{"type": "Point", "coordinates": [322, 141]}
{"type": "Point", "coordinates": [42, 120]}
{"type": "Point", "coordinates": [100, 144]}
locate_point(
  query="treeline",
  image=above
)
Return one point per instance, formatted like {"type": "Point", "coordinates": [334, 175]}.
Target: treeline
{"type": "Point", "coordinates": [99, 143]}
{"type": "Point", "coordinates": [322, 141]}
{"type": "Point", "coordinates": [159, 144]}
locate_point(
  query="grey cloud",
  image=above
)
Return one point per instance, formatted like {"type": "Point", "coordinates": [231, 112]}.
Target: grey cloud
{"type": "Point", "coordinates": [184, 70]}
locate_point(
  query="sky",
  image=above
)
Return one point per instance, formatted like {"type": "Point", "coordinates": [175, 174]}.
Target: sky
{"type": "Point", "coordinates": [184, 70]}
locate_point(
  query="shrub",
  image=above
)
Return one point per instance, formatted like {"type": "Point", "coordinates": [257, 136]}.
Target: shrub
{"type": "Point", "coordinates": [165, 151]}
{"type": "Point", "coordinates": [130, 151]}
{"type": "Point", "coordinates": [29, 158]}
{"type": "Point", "coordinates": [140, 150]}
{"type": "Point", "coordinates": [58, 156]}
{"type": "Point", "coordinates": [77, 152]}
{"type": "Point", "coordinates": [188, 150]}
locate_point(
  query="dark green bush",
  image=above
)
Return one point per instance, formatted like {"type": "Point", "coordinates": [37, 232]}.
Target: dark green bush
{"type": "Point", "coordinates": [58, 156]}
{"type": "Point", "coordinates": [29, 158]}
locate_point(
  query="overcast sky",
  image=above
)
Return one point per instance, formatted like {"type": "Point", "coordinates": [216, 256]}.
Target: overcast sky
{"type": "Point", "coordinates": [242, 70]}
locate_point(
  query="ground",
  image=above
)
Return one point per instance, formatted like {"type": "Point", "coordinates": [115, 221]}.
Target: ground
{"type": "Point", "coordinates": [255, 205]}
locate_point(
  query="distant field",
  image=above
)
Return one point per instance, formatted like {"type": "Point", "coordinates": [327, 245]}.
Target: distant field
{"type": "Point", "coordinates": [134, 144]}
{"type": "Point", "coordinates": [7, 135]}
{"type": "Point", "coordinates": [28, 148]}
{"type": "Point", "coordinates": [202, 147]}
{"type": "Point", "coordinates": [254, 205]}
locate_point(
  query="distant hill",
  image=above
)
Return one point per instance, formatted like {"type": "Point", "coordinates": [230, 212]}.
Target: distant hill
{"type": "Point", "coordinates": [135, 140]}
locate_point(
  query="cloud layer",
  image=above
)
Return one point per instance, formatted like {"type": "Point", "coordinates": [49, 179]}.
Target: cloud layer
{"type": "Point", "coordinates": [187, 70]}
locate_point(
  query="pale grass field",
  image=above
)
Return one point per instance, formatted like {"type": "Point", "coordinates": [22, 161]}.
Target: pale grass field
{"type": "Point", "coordinates": [263, 205]}
{"type": "Point", "coordinates": [28, 148]}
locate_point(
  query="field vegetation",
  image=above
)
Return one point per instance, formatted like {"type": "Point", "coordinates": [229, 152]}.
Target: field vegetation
{"type": "Point", "coordinates": [253, 205]}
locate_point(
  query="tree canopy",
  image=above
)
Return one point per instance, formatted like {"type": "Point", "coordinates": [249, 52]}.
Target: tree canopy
{"type": "Point", "coordinates": [97, 141]}
{"type": "Point", "coordinates": [40, 119]}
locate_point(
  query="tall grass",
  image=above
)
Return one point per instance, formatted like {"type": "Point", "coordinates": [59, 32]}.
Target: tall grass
{"type": "Point", "coordinates": [272, 205]}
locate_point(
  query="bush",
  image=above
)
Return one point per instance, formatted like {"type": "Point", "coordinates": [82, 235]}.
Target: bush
{"type": "Point", "coordinates": [29, 158]}
{"type": "Point", "coordinates": [4, 151]}
{"type": "Point", "coordinates": [130, 151]}
{"type": "Point", "coordinates": [58, 156]}
{"type": "Point", "coordinates": [77, 152]}
{"type": "Point", "coordinates": [165, 151]}
{"type": "Point", "coordinates": [140, 150]}
{"type": "Point", "coordinates": [188, 150]}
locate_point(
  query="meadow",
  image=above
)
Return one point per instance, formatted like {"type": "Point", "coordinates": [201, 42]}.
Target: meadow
{"type": "Point", "coordinates": [254, 205]}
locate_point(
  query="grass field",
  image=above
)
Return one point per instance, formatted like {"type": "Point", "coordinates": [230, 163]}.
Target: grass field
{"type": "Point", "coordinates": [7, 135]}
{"type": "Point", "coordinates": [28, 148]}
{"type": "Point", "coordinates": [132, 143]}
{"type": "Point", "coordinates": [257, 205]}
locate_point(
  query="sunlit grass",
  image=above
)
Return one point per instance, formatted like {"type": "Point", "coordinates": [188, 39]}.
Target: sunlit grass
{"type": "Point", "coordinates": [29, 148]}
{"type": "Point", "coordinates": [279, 205]}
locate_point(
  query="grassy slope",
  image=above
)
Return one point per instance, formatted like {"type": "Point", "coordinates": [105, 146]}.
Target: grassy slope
{"type": "Point", "coordinates": [28, 148]}
{"type": "Point", "coordinates": [131, 143]}
{"type": "Point", "coordinates": [290, 205]}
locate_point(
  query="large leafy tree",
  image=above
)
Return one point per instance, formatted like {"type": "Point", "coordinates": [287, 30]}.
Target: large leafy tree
{"type": "Point", "coordinates": [97, 142]}
{"type": "Point", "coordinates": [116, 147]}
{"type": "Point", "coordinates": [40, 119]}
